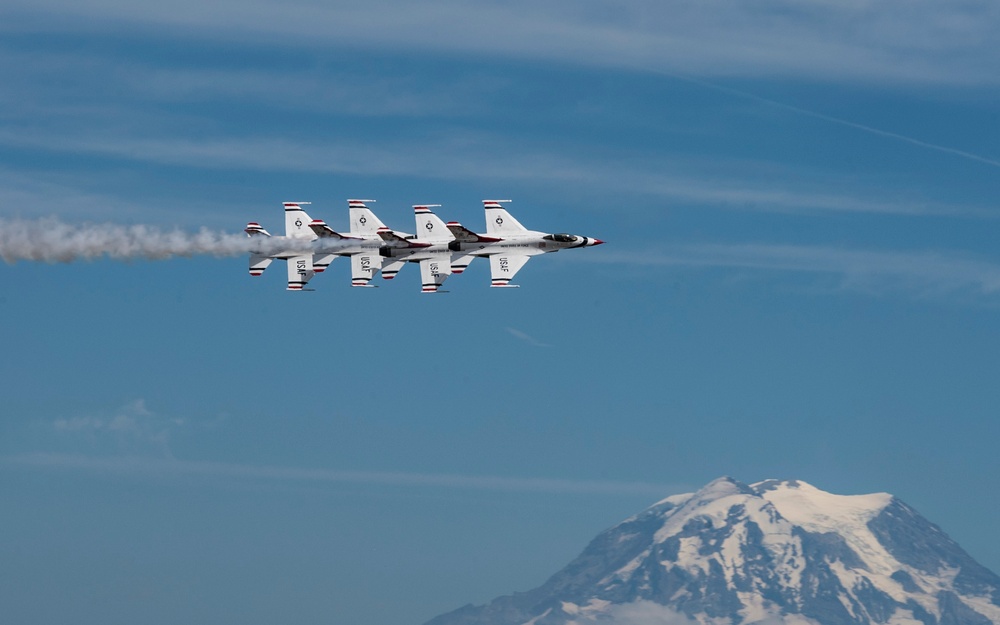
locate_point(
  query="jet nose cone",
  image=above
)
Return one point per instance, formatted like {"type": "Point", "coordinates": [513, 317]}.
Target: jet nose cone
{"type": "Point", "coordinates": [597, 242]}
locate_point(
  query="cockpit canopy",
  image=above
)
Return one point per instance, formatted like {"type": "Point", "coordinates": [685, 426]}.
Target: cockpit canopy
{"type": "Point", "coordinates": [561, 238]}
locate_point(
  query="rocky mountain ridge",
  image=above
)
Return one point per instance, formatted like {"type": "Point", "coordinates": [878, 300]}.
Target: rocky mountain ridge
{"type": "Point", "coordinates": [772, 552]}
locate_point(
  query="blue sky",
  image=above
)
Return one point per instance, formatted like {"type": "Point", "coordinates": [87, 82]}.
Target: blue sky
{"type": "Point", "coordinates": [800, 280]}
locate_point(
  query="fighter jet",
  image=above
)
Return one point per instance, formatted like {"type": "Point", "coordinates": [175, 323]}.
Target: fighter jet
{"type": "Point", "coordinates": [429, 247]}
{"type": "Point", "coordinates": [309, 246]}
{"type": "Point", "coordinates": [507, 243]}
{"type": "Point", "coordinates": [364, 243]}
{"type": "Point", "coordinates": [293, 247]}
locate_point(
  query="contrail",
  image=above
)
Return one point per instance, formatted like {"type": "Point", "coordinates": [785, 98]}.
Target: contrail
{"type": "Point", "coordinates": [837, 120]}
{"type": "Point", "coordinates": [53, 241]}
{"type": "Point", "coordinates": [166, 467]}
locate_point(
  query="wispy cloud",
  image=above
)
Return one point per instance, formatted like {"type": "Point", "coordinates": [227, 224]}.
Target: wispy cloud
{"type": "Point", "coordinates": [985, 160]}
{"type": "Point", "coordinates": [458, 157]}
{"type": "Point", "coordinates": [930, 273]}
{"type": "Point", "coordinates": [132, 429]}
{"type": "Point", "coordinates": [56, 83]}
{"type": "Point", "coordinates": [527, 338]}
{"type": "Point", "coordinates": [139, 466]}
{"type": "Point", "coordinates": [922, 41]}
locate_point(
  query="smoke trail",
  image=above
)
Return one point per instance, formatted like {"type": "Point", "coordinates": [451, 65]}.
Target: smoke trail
{"type": "Point", "coordinates": [51, 240]}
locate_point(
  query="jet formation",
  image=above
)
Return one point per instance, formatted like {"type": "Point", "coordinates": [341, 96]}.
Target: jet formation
{"type": "Point", "coordinates": [441, 249]}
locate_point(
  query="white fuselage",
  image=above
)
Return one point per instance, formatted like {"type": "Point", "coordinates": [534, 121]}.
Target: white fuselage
{"type": "Point", "coordinates": [528, 243]}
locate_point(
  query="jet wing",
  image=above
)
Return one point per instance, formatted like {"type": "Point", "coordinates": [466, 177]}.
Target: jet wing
{"type": "Point", "coordinates": [323, 231]}
{"type": "Point", "coordinates": [390, 236]}
{"type": "Point", "coordinates": [504, 266]}
{"type": "Point", "coordinates": [463, 234]}
{"type": "Point", "coordinates": [434, 271]}
{"type": "Point", "coordinates": [364, 267]}
{"type": "Point", "coordinates": [300, 271]}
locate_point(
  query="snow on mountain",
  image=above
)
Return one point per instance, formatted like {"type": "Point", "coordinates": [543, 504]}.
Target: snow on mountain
{"type": "Point", "coordinates": [775, 552]}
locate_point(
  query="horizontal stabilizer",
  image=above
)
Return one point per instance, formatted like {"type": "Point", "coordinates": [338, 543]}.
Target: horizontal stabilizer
{"type": "Point", "coordinates": [322, 261]}
{"type": "Point", "coordinates": [391, 267]}
{"type": "Point", "coordinates": [258, 263]}
{"type": "Point", "coordinates": [253, 229]}
{"type": "Point", "coordinates": [461, 263]}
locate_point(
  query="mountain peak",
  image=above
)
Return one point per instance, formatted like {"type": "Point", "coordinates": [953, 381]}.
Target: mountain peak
{"type": "Point", "coordinates": [781, 551]}
{"type": "Point", "coordinates": [724, 486]}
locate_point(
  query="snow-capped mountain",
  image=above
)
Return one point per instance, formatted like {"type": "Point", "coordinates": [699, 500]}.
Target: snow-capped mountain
{"type": "Point", "coordinates": [773, 552]}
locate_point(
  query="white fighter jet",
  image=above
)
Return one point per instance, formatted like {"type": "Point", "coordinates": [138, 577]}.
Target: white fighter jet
{"type": "Point", "coordinates": [429, 247]}
{"type": "Point", "coordinates": [507, 243]}
{"type": "Point", "coordinates": [364, 243]}
{"type": "Point", "coordinates": [295, 247]}
{"type": "Point", "coordinates": [309, 246]}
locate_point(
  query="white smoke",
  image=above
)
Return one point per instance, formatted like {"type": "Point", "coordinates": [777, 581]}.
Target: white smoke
{"type": "Point", "coordinates": [53, 241]}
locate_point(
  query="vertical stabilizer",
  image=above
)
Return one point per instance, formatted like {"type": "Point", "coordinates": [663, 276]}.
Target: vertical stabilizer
{"type": "Point", "coordinates": [297, 221]}
{"type": "Point", "coordinates": [429, 226]}
{"type": "Point", "coordinates": [363, 220]}
{"type": "Point", "coordinates": [498, 221]}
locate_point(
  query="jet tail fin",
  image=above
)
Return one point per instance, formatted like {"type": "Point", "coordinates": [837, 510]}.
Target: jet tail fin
{"type": "Point", "coordinates": [498, 221]}
{"type": "Point", "coordinates": [363, 220]}
{"type": "Point", "coordinates": [429, 226]}
{"type": "Point", "coordinates": [297, 221]}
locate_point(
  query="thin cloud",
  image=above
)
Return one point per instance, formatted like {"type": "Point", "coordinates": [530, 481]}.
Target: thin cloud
{"type": "Point", "coordinates": [172, 468]}
{"type": "Point", "coordinates": [843, 122]}
{"type": "Point", "coordinates": [924, 273]}
{"type": "Point", "coordinates": [52, 83]}
{"type": "Point", "coordinates": [132, 429]}
{"type": "Point", "coordinates": [915, 41]}
{"type": "Point", "coordinates": [457, 158]}
{"type": "Point", "coordinates": [524, 336]}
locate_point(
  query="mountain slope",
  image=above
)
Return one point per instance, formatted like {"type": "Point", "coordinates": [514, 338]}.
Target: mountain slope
{"type": "Point", "coordinates": [776, 551]}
